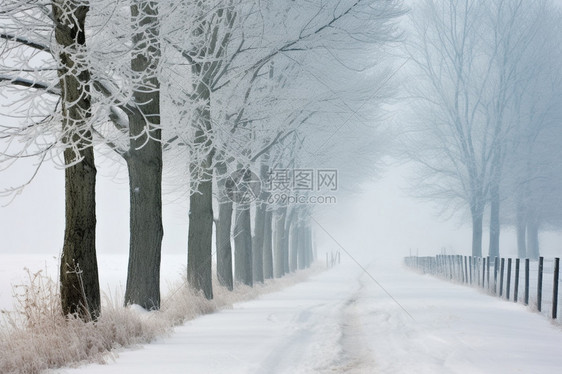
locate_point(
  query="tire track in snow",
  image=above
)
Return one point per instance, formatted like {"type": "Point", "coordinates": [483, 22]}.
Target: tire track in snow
{"type": "Point", "coordinates": [355, 356]}
{"type": "Point", "coordinates": [324, 338]}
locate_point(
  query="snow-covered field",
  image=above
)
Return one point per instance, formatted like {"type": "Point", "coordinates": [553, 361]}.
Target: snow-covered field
{"type": "Point", "coordinates": [112, 272]}
{"type": "Point", "coordinates": [341, 321]}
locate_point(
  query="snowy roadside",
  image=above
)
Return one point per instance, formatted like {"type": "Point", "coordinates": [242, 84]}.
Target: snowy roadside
{"type": "Point", "coordinates": [340, 321]}
{"type": "Point", "coordinates": [456, 329]}
{"type": "Point", "coordinates": [296, 330]}
{"type": "Point", "coordinates": [112, 272]}
{"type": "Point", "coordinates": [36, 336]}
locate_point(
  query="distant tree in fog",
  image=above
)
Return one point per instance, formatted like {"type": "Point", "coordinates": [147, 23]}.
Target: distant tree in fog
{"type": "Point", "coordinates": [533, 182]}
{"type": "Point", "coordinates": [471, 58]}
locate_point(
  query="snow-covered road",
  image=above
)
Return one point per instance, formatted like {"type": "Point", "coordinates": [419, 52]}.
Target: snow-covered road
{"type": "Point", "coordinates": [341, 321]}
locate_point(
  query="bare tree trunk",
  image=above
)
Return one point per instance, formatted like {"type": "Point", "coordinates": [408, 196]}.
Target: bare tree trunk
{"type": "Point", "coordinates": [199, 254]}
{"type": "Point", "coordinates": [243, 245]}
{"type": "Point", "coordinates": [267, 246]}
{"type": "Point", "coordinates": [257, 245]}
{"type": "Point", "coordinates": [477, 232]}
{"type": "Point", "coordinates": [259, 228]}
{"type": "Point", "coordinates": [309, 256]}
{"type": "Point", "coordinates": [287, 239]}
{"type": "Point", "coordinates": [199, 247]}
{"type": "Point", "coordinates": [224, 226]}
{"type": "Point", "coordinates": [294, 245]}
{"type": "Point", "coordinates": [533, 251]}
{"type": "Point", "coordinates": [144, 162]}
{"type": "Point", "coordinates": [285, 248]}
{"type": "Point", "coordinates": [224, 247]}
{"type": "Point", "coordinates": [279, 241]}
{"type": "Point", "coordinates": [494, 248]}
{"type": "Point", "coordinates": [79, 282]}
{"type": "Point", "coordinates": [521, 229]}
{"type": "Point", "coordinates": [145, 178]}
{"type": "Point", "coordinates": [205, 63]}
{"type": "Point", "coordinates": [301, 250]}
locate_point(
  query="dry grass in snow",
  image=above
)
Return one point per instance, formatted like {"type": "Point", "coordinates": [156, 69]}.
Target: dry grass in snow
{"type": "Point", "coordinates": [37, 336]}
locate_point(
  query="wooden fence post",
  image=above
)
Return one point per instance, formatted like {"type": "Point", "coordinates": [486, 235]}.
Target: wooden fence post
{"type": "Point", "coordinates": [508, 285]}
{"type": "Point", "coordinates": [516, 285]}
{"type": "Point", "coordinates": [488, 271]}
{"type": "Point", "coordinates": [496, 266]}
{"type": "Point", "coordinates": [484, 272]}
{"type": "Point", "coordinates": [555, 288]}
{"type": "Point", "coordinates": [502, 267]}
{"type": "Point", "coordinates": [526, 281]}
{"type": "Point", "coordinates": [539, 284]}
{"type": "Point", "coordinates": [475, 269]}
{"type": "Point", "coordinates": [466, 269]}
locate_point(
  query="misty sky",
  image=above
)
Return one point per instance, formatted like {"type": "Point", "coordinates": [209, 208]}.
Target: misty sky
{"type": "Point", "coordinates": [379, 219]}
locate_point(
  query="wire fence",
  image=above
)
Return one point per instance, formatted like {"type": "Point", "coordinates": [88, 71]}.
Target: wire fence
{"type": "Point", "coordinates": [532, 282]}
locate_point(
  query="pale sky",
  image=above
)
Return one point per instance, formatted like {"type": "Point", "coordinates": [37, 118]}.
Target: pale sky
{"type": "Point", "coordinates": [381, 218]}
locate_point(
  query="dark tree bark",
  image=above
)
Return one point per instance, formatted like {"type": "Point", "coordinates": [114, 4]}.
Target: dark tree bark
{"type": "Point", "coordinates": [533, 251]}
{"type": "Point", "coordinates": [279, 241]}
{"type": "Point", "coordinates": [494, 248]}
{"type": "Point", "coordinates": [294, 245]}
{"type": "Point", "coordinates": [286, 245]}
{"type": "Point", "coordinates": [521, 230]}
{"type": "Point", "coordinates": [205, 62]}
{"type": "Point", "coordinates": [302, 246]}
{"type": "Point", "coordinates": [144, 162]}
{"type": "Point", "coordinates": [145, 178]}
{"type": "Point", "coordinates": [477, 217]}
{"type": "Point", "coordinates": [79, 282]}
{"type": "Point", "coordinates": [257, 245]}
{"type": "Point", "coordinates": [199, 246]}
{"type": "Point", "coordinates": [243, 245]}
{"type": "Point", "coordinates": [306, 249]}
{"type": "Point", "coordinates": [311, 250]}
{"type": "Point", "coordinates": [260, 226]}
{"type": "Point", "coordinates": [267, 246]}
{"type": "Point", "coordinates": [223, 229]}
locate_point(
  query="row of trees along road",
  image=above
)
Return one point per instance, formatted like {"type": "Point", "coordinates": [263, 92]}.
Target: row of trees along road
{"type": "Point", "coordinates": [489, 122]}
{"type": "Point", "coordinates": [203, 87]}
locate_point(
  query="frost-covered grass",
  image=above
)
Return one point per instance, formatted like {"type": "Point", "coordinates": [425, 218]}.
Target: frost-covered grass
{"type": "Point", "coordinates": [36, 336]}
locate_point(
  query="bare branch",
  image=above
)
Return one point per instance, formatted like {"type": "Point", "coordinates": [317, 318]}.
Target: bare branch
{"type": "Point", "coordinates": [17, 81]}
{"type": "Point", "coordinates": [26, 42]}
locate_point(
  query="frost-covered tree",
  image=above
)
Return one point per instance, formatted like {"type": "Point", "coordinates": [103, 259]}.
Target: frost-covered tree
{"type": "Point", "coordinates": [237, 111]}
{"type": "Point", "coordinates": [218, 85]}
{"type": "Point", "coordinates": [45, 52]}
{"type": "Point", "coordinates": [532, 175]}
{"type": "Point", "coordinates": [470, 57]}
{"type": "Point", "coordinates": [97, 85]}
{"type": "Point", "coordinates": [144, 158]}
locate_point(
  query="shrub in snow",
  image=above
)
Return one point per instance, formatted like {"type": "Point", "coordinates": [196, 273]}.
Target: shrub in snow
{"type": "Point", "coordinates": [37, 336]}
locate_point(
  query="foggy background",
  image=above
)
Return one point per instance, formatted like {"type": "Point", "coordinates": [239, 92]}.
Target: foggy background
{"type": "Point", "coordinates": [378, 220]}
